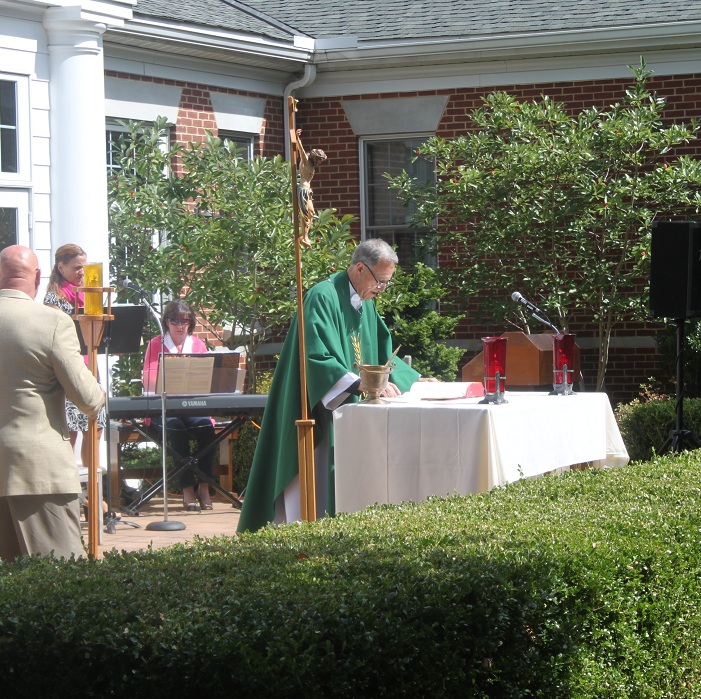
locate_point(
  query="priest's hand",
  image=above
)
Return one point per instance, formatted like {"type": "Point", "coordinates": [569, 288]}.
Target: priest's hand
{"type": "Point", "coordinates": [392, 391]}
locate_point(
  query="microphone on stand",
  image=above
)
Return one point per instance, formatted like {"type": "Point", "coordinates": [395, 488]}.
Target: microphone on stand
{"type": "Point", "coordinates": [533, 310]}
{"type": "Point", "coordinates": [519, 298]}
{"type": "Point", "coordinates": [166, 524]}
{"type": "Point", "coordinates": [129, 284]}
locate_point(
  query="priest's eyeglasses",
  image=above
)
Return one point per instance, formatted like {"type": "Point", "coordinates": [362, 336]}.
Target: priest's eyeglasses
{"type": "Point", "coordinates": [380, 284]}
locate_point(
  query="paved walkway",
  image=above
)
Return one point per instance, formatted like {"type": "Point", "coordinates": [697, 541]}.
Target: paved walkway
{"type": "Point", "coordinates": [221, 521]}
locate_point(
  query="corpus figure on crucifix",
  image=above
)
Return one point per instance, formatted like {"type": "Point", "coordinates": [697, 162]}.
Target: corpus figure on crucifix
{"type": "Point", "coordinates": [307, 167]}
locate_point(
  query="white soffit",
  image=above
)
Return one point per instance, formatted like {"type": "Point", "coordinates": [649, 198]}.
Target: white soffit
{"type": "Point", "coordinates": [395, 115]}
{"type": "Point", "coordinates": [238, 113]}
{"type": "Point", "coordinates": [141, 101]}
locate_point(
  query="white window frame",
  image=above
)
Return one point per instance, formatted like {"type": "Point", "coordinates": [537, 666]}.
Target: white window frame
{"type": "Point", "coordinates": [18, 199]}
{"type": "Point", "coordinates": [23, 173]}
{"type": "Point", "coordinates": [112, 127]}
{"type": "Point", "coordinates": [237, 137]}
{"type": "Point", "coordinates": [364, 198]}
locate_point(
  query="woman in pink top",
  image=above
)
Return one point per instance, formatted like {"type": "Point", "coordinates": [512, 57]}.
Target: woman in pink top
{"type": "Point", "coordinates": [178, 326]}
{"type": "Point", "coordinates": [68, 274]}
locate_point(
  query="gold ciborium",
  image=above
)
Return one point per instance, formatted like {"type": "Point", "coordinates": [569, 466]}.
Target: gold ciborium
{"type": "Point", "coordinates": [373, 380]}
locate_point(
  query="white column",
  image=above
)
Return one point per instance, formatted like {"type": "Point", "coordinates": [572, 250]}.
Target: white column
{"type": "Point", "coordinates": [77, 132]}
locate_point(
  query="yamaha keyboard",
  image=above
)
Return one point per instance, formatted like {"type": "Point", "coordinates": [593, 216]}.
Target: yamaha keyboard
{"type": "Point", "coordinates": [133, 407]}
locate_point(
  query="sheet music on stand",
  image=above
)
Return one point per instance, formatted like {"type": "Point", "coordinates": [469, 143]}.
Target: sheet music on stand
{"type": "Point", "coordinates": [198, 374]}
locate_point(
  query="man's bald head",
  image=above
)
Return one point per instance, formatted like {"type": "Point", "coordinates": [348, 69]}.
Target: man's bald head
{"type": "Point", "coordinates": [19, 270]}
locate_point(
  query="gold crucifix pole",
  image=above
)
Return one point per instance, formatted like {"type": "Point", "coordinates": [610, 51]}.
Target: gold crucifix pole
{"type": "Point", "coordinates": [305, 426]}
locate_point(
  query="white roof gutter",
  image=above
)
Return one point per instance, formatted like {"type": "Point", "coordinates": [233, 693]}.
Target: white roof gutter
{"type": "Point", "coordinates": [306, 79]}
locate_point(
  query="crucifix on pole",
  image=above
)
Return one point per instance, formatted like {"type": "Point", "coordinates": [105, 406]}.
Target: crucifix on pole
{"type": "Point", "coordinates": [305, 426]}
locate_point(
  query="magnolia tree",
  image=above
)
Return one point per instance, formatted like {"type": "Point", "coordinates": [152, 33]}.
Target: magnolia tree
{"type": "Point", "coordinates": [557, 206]}
{"type": "Point", "coordinates": [203, 219]}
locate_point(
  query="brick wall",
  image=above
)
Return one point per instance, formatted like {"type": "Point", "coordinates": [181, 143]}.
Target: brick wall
{"type": "Point", "coordinates": [337, 185]}
{"type": "Point", "coordinates": [196, 115]}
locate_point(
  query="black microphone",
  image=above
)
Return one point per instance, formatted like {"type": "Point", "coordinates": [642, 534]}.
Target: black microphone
{"type": "Point", "coordinates": [519, 298]}
{"type": "Point", "coordinates": [533, 310]}
{"type": "Point", "coordinates": [129, 284]}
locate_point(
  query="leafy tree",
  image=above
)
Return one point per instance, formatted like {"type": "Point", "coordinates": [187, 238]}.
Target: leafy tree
{"type": "Point", "coordinates": [409, 308]}
{"type": "Point", "coordinates": [562, 203]}
{"type": "Point", "coordinates": [201, 218]}
{"type": "Point", "coordinates": [143, 206]}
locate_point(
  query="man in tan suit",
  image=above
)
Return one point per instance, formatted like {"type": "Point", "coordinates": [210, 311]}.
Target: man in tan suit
{"type": "Point", "coordinates": [40, 364]}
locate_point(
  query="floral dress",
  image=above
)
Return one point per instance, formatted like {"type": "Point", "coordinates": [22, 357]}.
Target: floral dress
{"type": "Point", "coordinates": [77, 421]}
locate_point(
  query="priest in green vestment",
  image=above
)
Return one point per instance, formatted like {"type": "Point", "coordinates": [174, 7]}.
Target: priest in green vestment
{"type": "Point", "coordinates": [342, 328]}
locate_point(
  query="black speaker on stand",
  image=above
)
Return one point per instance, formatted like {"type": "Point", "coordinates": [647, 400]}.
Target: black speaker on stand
{"type": "Point", "coordinates": [675, 292]}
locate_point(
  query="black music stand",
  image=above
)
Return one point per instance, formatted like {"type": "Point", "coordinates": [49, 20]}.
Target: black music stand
{"type": "Point", "coordinates": [121, 336]}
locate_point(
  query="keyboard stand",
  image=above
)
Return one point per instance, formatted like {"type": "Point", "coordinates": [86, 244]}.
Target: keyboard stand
{"type": "Point", "coordinates": [191, 463]}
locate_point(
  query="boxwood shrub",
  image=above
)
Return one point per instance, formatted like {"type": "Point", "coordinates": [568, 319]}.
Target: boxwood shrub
{"type": "Point", "coordinates": [584, 585]}
{"type": "Point", "coordinates": [646, 424]}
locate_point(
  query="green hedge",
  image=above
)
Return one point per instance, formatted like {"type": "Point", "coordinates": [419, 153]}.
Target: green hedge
{"type": "Point", "coordinates": [578, 586]}
{"type": "Point", "coordinates": [646, 424]}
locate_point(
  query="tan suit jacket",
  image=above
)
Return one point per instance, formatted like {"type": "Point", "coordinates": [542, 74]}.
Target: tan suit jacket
{"type": "Point", "coordinates": [40, 365]}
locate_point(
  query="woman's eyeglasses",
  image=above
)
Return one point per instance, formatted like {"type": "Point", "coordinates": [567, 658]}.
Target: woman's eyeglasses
{"type": "Point", "coordinates": [179, 321]}
{"type": "Point", "coordinates": [380, 284]}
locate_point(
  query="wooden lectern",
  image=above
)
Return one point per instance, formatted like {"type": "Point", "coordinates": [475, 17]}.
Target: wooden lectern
{"type": "Point", "coordinates": [529, 362]}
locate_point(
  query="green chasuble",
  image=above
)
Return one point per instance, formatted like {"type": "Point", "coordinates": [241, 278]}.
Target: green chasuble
{"type": "Point", "coordinates": [333, 329]}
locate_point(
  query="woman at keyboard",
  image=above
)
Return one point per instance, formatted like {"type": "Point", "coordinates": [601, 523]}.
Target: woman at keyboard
{"type": "Point", "coordinates": [178, 326]}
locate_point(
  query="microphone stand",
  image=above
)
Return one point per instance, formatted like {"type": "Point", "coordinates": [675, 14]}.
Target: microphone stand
{"type": "Point", "coordinates": [545, 321]}
{"type": "Point", "coordinates": [534, 311]}
{"type": "Point", "coordinates": [165, 525]}
{"type": "Point", "coordinates": [678, 436]}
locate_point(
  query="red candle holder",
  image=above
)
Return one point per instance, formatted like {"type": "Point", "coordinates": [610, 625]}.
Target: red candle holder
{"type": "Point", "coordinates": [563, 364]}
{"type": "Point", "coordinates": [494, 352]}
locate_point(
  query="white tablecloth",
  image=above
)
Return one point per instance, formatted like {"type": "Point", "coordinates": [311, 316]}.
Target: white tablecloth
{"type": "Point", "coordinates": [410, 449]}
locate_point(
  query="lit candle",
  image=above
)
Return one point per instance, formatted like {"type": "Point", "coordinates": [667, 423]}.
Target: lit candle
{"type": "Point", "coordinates": [563, 356]}
{"type": "Point", "coordinates": [93, 299]}
{"type": "Point", "coordinates": [494, 350]}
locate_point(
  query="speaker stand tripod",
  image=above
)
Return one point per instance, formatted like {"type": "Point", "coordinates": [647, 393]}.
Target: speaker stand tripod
{"type": "Point", "coordinates": [679, 437]}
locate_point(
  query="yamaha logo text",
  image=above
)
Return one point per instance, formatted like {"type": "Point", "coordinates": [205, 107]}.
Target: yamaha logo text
{"type": "Point", "coordinates": [194, 404]}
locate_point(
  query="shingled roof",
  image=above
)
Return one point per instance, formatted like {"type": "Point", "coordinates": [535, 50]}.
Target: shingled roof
{"type": "Point", "coordinates": [396, 20]}
{"type": "Point", "coordinates": [233, 16]}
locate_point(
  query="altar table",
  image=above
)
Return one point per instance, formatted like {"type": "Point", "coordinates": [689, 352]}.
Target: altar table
{"type": "Point", "coordinates": [408, 449]}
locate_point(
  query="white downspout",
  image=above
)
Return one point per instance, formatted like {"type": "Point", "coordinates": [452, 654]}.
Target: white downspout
{"type": "Point", "coordinates": [307, 79]}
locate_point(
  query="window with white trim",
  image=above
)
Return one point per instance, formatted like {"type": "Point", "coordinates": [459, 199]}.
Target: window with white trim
{"type": "Point", "coordinates": [8, 226]}
{"type": "Point", "coordinates": [113, 134]}
{"type": "Point", "coordinates": [243, 143]}
{"type": "Point", "coordinates": [9, 141]}
{"type": "Point", "coordinates": [14, 217]}
{"type": "Point", "coordinates": [383, 213]}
